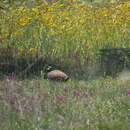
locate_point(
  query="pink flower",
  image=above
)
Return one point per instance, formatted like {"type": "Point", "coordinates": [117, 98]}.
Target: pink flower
{"type": "Point", "coordinates": [84, 95]}
{"type": "Point", "coordinates": [77, 93]}
{"type": "Point", "coordinates": [38, 97]}
{"type": "Point", "coordinates": [48, 96]}
{"type": "Point", "coordinates": [128, 92]}
{"type": "Point", "coordinates": [59, 99]}
{"type": "Point", "coordinates": [12, 76]}
{"type": "Point", "coordinates": [65, 90]}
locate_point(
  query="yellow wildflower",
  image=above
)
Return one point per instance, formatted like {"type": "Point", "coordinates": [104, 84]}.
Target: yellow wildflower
{"type": "Point", "coordinates": [81, 22]}
{"type": "Point", "coordinates": [32, 50]}
{"type": "Point", "coordinates": [66, 18]}
{"type": "Point", "coordinates": [22, 9]}
{"type": "Point", "coordinates": [35, 10]}
{"type": "Point", "coordinates": [24, 20]}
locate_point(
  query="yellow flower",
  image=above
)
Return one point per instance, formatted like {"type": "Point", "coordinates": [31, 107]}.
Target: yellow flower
{"type": "Point", "coordinates": [22, 9]}
{"type": "Point", "coordinates": [62, 27]}
{"type": "Point", "coordinates": [49, 9]}
{"type": "Point", "coordinates": [16, 33]}
{"type": "Point", "coordinates": [53, 25]}
{"type": "Point", "coordinates": [61, 5]}
{"type": "Point", "coordinates": [81, 22]}
{"type": "Point", "coordinates": [82, 5]}
{"type": "Point", "coordinates": [56, 4]}
{"type": "Point", "coordinates": [24, 20]}
{"type": "Point", "coordinates": [66, 18]}
{"type": "Point", "coordinates": [35, 10]}
{"type": "Point", "coordinates": [128, 18]}
{"type": "Point", "coordinates": [32, 50]}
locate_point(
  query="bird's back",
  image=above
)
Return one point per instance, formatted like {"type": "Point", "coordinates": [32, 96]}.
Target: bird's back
{"type": "Point", "coordinates": [57, 75]}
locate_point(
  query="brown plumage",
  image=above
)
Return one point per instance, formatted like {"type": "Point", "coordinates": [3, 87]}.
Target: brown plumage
{"type": "Point", "coordinates": [55, 75]}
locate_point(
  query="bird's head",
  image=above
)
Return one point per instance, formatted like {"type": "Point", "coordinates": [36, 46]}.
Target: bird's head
{"type": "Point", "coordinates": [48, 69]}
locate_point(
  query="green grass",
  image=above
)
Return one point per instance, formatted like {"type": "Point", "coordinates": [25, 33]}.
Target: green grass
{"type": "Point", "coordinates": [106, 107]}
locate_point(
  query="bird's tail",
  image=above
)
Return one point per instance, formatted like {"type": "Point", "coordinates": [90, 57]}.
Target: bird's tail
{"type": "Point", "coordinates": [67, 78]}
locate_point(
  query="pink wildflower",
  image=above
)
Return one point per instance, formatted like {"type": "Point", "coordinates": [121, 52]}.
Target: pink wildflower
{"type": "Point", "coordinates": [65, 90]}
{"type": "Point", "coordinates": [12, 76]}
{"type": "Point", "coordinates": [128, 92]}
{"type": "Point", "coordinates": [84, 94]}
{"type": "Point", "coordinates": [59, 99]}
{"type": "Point", "coordinates": [77, 93]}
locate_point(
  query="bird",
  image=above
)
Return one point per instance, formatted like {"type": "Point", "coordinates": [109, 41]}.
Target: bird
{"type": "Point", "coordinates": [55, 75]}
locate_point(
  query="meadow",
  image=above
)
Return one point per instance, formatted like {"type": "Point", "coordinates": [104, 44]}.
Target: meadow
{"type": "Point", "coordinates": [69, 35]}
{"type": "Point", "coordinates": [101, 104]}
